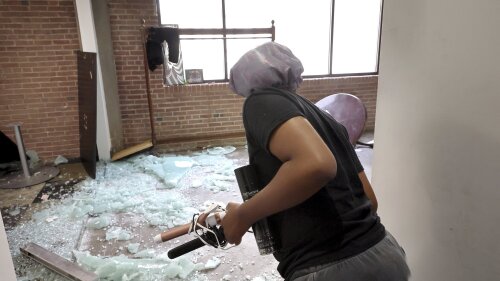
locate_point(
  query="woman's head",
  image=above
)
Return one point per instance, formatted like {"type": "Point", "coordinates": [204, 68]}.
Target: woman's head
{"type": "Point", "coordinates": [268, 65]}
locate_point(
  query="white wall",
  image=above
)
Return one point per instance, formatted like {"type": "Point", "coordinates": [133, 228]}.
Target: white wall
{"type": "Point", "coordinates": [7, 268]}
{"type": "Point", "coordinates": [436, 166]}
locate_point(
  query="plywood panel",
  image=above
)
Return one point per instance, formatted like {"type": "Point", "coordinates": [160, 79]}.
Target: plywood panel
{"type": "Point", "coordinates": [87, 104]}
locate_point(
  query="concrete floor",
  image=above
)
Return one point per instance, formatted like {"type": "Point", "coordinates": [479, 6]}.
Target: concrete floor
{"type": "Point", "coordinates": [239, 263]}
{"type": "Point", "coordinates": [22, 199]}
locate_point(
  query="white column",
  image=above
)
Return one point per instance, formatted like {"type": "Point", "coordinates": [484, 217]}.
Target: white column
{"type": "Point", "coordinates": [437, 136]}
{"type": "Point", "coordinates": [8, 273]}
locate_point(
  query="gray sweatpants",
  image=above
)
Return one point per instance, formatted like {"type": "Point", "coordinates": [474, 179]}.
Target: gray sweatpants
{"type": "Point", "coordinates": [385, 261]}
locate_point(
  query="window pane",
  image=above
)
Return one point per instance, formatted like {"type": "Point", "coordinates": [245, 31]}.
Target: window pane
{"type": "Point", "coordinates": [250, 14]}
{"type": "Point", "coordinates": [237, 47]}
{"type": "Point", "coordinates": [355, 36]}
{"type": "Point", "coordinates": [204, 54]}
{"type": "Point", "coordinates": [302, 27]}
{"type": "Point", "coordinates": [192, 13]}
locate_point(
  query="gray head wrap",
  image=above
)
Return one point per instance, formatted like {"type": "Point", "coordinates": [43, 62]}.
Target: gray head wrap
{"type": "Point", "coordinates": [268, 65]}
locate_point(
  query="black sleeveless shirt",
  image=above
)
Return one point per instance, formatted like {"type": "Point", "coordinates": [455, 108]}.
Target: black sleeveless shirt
{"type": "Point", "coordinates": [337, 221]}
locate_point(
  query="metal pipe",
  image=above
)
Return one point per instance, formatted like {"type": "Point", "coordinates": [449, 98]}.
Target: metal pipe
{"type": "Point", "coordinates": [22, 154]}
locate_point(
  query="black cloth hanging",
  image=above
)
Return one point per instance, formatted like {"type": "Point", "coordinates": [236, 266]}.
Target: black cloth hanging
{"type": "Point", "coordinates": [156, 35]}
{"type": "Point", "coordinates": [8, 149]}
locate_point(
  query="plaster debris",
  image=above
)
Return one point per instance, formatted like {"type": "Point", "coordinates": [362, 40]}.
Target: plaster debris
{"type": "Point", "coordinates": [60, 160]}
{"type": "Point", "coordinates": [212, 263]}
{"type": "Point", "coordinates": [133, 248]}
{"type": "Point", "coordinates": [118, 233]}
{"type": "Point", "coordinates": [33, 158]}
{"type": "Point", "coordinates": [196, 183]}
{"type": "Point", "coordinates": [51, 219]}
{"type": "Point", "coordinates": [15, 212]}
{"type": "Point", "coordinates": [99, 222]}
{"type": "Point", "coordinates": [220, 150]}
{"type": "Point", "coordinates": [147, 253]}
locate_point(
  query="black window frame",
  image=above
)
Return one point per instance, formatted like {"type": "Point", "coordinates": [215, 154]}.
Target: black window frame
{"type": "Point", "coordinates": [330, 67]}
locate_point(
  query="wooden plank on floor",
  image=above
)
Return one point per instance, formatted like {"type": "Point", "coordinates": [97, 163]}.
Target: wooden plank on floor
{"type": "Point", "coordinates": [132, 150]}
{"type": "Point", "coordinates": [58, 263]}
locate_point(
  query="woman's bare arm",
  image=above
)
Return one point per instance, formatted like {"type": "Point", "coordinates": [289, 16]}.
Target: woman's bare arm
{"type": "Point", "coordinates": [308, 164]}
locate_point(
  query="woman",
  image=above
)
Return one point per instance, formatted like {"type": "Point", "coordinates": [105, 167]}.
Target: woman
{"type": "Point", "coordinates": [315, 193]}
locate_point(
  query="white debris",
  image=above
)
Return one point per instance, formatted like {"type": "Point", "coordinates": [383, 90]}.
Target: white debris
{"type": "Point", "coordinates": [118, 233]}
{"type": "Point", "coordinates": [34, 159]}
{"type": "Point", "coordinates": [172, 270]}
{"type": "Point", "coordinates": [133, 248]}
{"type": "Point", "coordinates": [99, 222]}
{"type": "Point", "coordinates": [220, 150]}
{"type": "Point", "coordinates": [212, 263]}
{"type": "Point", "coordinates": [44, 197]}
{"type": "Point", "coordinates": [51, 219]}
{"type": "Point", "coordinates": [185, 163]}
{"type": "Point", "coordinates": [60, 160]}
{"type": "Point", "coordinates": [209, 205]}
{"type": "Point", "coordinates": [146, 253]}
{"type": "Point", "coordinates": [15, 212]}
{"type": "Point", "coordinates": [125, 277]}
{"type": "Point", "coordinates": [196, 183]}
{"type": "Point", "coordinates": [186, 267]}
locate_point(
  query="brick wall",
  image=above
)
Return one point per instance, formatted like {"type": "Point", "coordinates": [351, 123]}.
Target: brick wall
{"type": "Point", "coordinates": [38, 83]}
{"type": "Point", "coordinates": [38, 75]}
{"type": "Point", "coordinates": [126, 20]}
{"type": "Point", "coordinates": [192, 115]}
{"type": "Point", "coordinates": [210, 114]}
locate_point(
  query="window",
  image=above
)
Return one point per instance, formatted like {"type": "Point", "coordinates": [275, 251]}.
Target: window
{"type": "Point", "coordinates": [302, 27]}
{"type": "Point", "coordinates": [330, 37]}
{"type": "Point", "coordinates": [356, 27]}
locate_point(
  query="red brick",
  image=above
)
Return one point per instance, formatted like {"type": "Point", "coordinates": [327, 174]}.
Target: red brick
{"type": "Point", "coordinates": [38, 65]}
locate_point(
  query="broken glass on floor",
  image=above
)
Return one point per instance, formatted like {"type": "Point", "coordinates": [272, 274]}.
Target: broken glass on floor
{"type": "Point", "coordinates": [107, 225]}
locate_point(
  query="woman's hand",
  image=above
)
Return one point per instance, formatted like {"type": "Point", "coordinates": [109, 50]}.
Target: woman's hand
{"type": "Point", "coordinates": [234, 223]}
